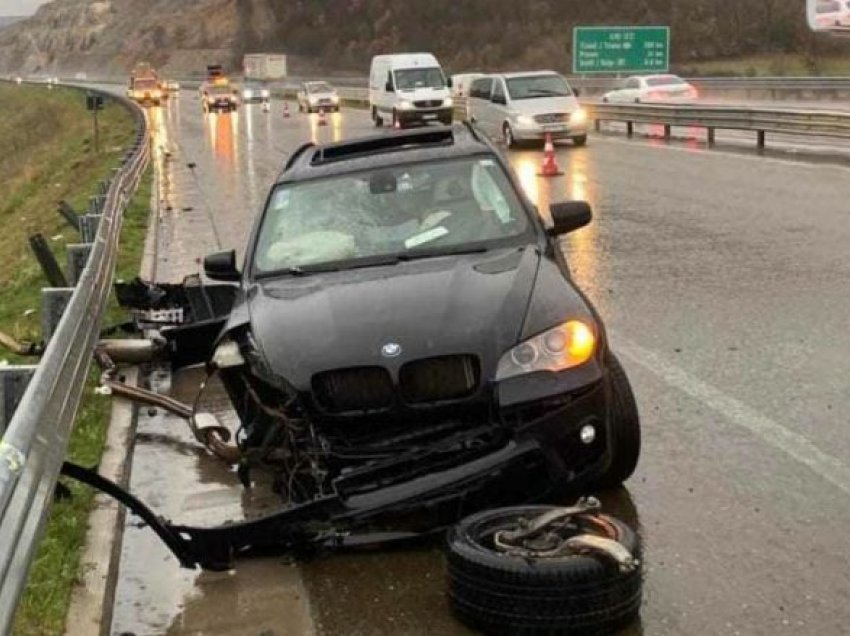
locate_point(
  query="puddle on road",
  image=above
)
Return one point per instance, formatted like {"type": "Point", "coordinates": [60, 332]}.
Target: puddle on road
{"type": "Point", "coordinates": [154, 594]}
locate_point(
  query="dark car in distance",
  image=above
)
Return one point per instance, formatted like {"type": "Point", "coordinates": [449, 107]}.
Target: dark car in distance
{"type": "Point", "coordinates": [405, 334]}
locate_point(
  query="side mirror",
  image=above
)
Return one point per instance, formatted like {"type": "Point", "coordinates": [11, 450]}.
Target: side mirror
{"type": "Point", "coordinates": [569, 216]}
{"type": "Point", "coordinates": [389, 87]}
{"type": "Point", "coordinates": [222, 266]}
{"type": "Point", "coordinates": [449, 82]}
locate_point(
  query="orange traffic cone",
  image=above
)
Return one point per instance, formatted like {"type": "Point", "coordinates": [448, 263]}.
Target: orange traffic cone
{"type": "Point", "coordinates": [286, 110]}
{"type": "Point", "coordinates": [550, 164]}
{"type": "Point", "coordinates": [323, 121]}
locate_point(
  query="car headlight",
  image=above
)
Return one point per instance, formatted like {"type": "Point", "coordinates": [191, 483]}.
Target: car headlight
{"type": "Point", "coordinates": [335, 99]}
{"type": "Point", "coordinates": [448, 102]}
{"type": "Point", "coordinates": [563, 347]}
{"type": "Point", "coordinates": [405, 104]}
{"type": "Point", "coordinates": [525, 120]}
{"type": "Point", "coordinates": [264, 93]}
{"type": "Point", "coordinates": [247, 94]}
{"type": "Point", "coordinates": [578, 117]}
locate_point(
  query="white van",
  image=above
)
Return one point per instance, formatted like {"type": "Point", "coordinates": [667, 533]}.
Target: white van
{"type": "Point", "coordinates": [409, 88]}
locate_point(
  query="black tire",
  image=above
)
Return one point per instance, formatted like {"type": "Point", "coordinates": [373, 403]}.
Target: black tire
{"type": "Point", "coordinates": [503, 594]}
{"type": "Point", "coordinates": [397, 122]}
{"type": "Point", "coordinates": [447, 121]}
{"type": "Point", "coordinates": [508, 136]}
{"type": "Point", "coordinates": [604, 100]}
{"type": "Point", "coordinates": [624, 433]}
{"type": "Point", "coordinates": [581, 140]}
{"type": "Point", "coordinates": [379, 121]}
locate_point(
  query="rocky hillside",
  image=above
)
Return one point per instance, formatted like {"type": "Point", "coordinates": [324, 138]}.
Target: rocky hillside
{"type": "Point", "coordinates": [110, 36]}
{"type": "Point", "coordinates": [339, 35]}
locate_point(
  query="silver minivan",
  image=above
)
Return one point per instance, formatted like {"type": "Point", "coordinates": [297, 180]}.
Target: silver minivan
{"type": "Point", "coordinates": [519, 107]}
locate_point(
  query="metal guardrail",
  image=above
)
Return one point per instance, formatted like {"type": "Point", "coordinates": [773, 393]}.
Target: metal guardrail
{"type": "Point", "coordinates": [760, 120]}
{"type": "Point", "coordinates": [34, 445]}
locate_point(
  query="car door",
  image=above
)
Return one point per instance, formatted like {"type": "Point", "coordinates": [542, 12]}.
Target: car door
{"type": "Point", "coordinates": [498, 109]}
{"type": "Point", "coordinates": [479, 103]}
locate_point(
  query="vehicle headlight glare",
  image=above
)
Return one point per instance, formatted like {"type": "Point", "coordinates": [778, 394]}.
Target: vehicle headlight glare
{"type": "Point", "coordinates": [563, 347]}
{"type": "Point", "coordinates": [525, 120]}
{"type": "Point", "coordinates": [247, 94]}
{"type": "Point", "coordinates": [335, 99]}
{"type": "Point", "coordinates": [448, 102]}
{"type": "Point", "coordinates": [578, 117]}
{"type": "Point", "coordinates": [405, 104]}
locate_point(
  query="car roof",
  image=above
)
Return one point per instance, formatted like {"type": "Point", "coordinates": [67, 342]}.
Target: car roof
{"type": "Point", "coordinates": [312, 161]}
{"type": "Point", "coordinates": [514, 74]}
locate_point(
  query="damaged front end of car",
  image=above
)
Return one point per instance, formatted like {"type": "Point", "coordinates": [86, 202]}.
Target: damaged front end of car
{"type": "Point", "coordinates": [359, 459]}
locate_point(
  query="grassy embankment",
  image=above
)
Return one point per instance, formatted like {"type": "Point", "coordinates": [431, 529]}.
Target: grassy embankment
{"type": "Point", "coordinates": [47, 154]}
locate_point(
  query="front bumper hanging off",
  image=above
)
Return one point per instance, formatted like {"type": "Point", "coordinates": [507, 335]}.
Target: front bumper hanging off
{"type": "Point", "coordinates": [332, 522]}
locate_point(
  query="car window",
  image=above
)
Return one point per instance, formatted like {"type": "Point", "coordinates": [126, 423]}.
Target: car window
{"type": "Point", "coordinates": [319, 87]}
{"type": "Point", "coordinates": [481, 88]}
{"type": "Point", "coordinates": [829, 7]}
{"type": "Point", "coordinates": [535, 86]}
{"type": "Point", "coordinates": [498, 89]}
{"type": "Point", "coordinates": [390, 212]}
{"type": "Point", "coordinates": [633, 82]}
{"type": "Point", "coordinates": [666, 80]}
{"type": "Point", "coordinates": [406, 79]}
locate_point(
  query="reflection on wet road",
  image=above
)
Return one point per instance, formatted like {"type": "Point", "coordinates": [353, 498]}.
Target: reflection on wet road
{"type": "Point", "coordinates": [723, 280]}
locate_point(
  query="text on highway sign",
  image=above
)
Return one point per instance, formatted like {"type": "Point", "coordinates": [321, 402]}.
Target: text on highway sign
{"type": "Point", "coordinates": [621, 49]}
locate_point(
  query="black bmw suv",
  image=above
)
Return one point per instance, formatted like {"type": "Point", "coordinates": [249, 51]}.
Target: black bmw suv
{"type": "Point", "coordinates": [405, 332]}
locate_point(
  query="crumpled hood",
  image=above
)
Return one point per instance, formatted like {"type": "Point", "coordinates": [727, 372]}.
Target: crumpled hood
{"type": "Point", "coordinates": [473, 304]}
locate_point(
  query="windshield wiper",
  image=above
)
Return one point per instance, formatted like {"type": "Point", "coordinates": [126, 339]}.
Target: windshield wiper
{"type": "Point", "coordinates": [420, 254]}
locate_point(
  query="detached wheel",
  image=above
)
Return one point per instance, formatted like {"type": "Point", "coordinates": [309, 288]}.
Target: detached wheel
{"type": "Point", "coordinates": [624, 430]}
{"type": "Point", "coordinates": [504, 593]}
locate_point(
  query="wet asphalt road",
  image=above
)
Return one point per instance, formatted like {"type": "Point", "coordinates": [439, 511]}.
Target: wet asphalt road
{"type": "Point", "coordinates": [724, 278]}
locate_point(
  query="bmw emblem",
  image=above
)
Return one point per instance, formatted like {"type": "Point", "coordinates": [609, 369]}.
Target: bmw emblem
{"type": "Point", "coordinates": [391, 350]}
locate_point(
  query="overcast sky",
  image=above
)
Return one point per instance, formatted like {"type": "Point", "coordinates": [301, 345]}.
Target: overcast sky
{"type": "Point", "coordinates": [19, 7]}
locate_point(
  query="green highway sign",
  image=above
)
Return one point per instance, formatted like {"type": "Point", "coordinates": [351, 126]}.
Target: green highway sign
{"type": "Point", "coordinates": [621, 49]}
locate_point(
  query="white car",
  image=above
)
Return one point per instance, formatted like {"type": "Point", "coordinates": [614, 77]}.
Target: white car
{"type": "Point", "coordinates": [315, 96]}
{"type": "Point", "coordinates": [409, 88]}
{"type": "Point", "coordinates": [532, 106]}
{"type": "Point", "coordinates": [461, 84]}
{"type": "Point", "coordinates": [253, 93]}
{"type": "Point", "coordinates": [832, 13]}
{"type": "Point", "coordinates": [652, 89]}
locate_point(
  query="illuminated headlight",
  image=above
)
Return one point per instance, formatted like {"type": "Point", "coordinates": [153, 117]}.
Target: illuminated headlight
{"type": "Point", "coordinates": [335, 99]}
{"type": "Point", "coordinates": [578, 117]}
{"type": "Point", "coordinates": [587, 434]}
{"type": "Point", "coordinates": [247, 94]}
{"type": "Point", "coordinates": [227, 356]}
{"type": "Point", "coordinates": [448, 102]}
{"type": "Point", "coordinates": [525, 120]}
{"type": "Point", "coordinates": [405, 104]}
{"type": "Point", "coordinates": [563, 347]}
{"type": "Point", "coordinates": [264, 93]}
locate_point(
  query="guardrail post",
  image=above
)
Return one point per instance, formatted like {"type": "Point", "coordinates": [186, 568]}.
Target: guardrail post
{"type": "Point", "coordinates": [761, 139]}
{"type": "Point", "coordinates": [47, 261]}
{"type": "Point", "coordinates": [710, 136]}
{"type": "Point", "coordinates": [13, 382]}
{"type": "Point", "coordinates": [630, 129]}
{"type": "Point", "coordinates": [53, 303]}
{"type": "Point", "coordinates": [69, 214]}
{"type": "Point", "coordinates": [78, 256]}
{"type": "Point", "coordinates": [89, 224]}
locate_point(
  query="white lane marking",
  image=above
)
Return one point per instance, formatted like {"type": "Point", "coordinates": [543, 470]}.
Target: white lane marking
{"type": "Point", "coordinates": [792, 444]}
